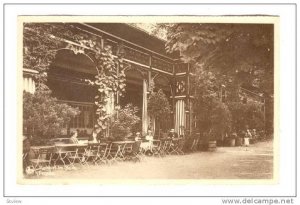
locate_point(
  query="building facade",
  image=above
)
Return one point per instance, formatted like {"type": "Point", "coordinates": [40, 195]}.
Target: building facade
{"type": "Point", "coordinates": [146, 64]}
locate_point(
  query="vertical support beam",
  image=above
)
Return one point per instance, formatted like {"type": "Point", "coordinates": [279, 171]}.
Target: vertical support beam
{"type": "Point", "coordinates": [145, 108]}
{"type": "Point", "coordinates": [173, 97]}
{"type": "Point", "coordinates": [180, 116]}
{"type": "Point", "coordinates": [28, 80]}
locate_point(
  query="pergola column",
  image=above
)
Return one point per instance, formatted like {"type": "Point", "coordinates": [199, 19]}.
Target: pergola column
{"type": "Point", "coordinates": [28, 80]}
{"type": "Point", "coordinates": [180, 117]}
{"type": "Point", "coordinates": [145, 107]}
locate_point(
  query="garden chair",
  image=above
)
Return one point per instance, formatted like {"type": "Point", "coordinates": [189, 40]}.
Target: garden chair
{"type": "Point", "coordinates": [194, 146]}
{"type": "Point", "coordinates": [167, 146]}
{"type": "Point", "coordinates": [43, 159]}
{"type": "Point", "coordinates": [80, 156]}
{"type": "Point", "coordinates": [180, 147]}
{"type": "Point", "coordinates": [112, 152]}
{"type": "Point", "coordinates": [164, 144]}
{"type": "Point", "coordinates": [133, 153]}
{"type": "Point", "coordinates": [92, 153]}
{"type": "Point", "coordinates": [157, 148]}
{"type": "Point", "coordinates": [103, 152]}
{"type": "Point", "coordinates": [173, 148]}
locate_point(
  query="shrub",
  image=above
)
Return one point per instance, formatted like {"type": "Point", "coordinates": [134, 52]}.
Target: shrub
{"type": "Point", "coordinates": [43, 116]}
{"type": "Point", "coordinates": [159, 108]}
{"type": "Point", "coordinates": [123, 122]}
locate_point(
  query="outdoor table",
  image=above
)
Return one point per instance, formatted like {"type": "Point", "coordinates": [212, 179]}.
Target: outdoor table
{"type": "Point", "coordinates": [41, 147]}
{"type": "Point", "coordinates": [36, 149]}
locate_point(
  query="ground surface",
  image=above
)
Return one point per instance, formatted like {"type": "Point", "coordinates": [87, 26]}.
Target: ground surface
{"type": "Point", "coordinates": [254, 162]}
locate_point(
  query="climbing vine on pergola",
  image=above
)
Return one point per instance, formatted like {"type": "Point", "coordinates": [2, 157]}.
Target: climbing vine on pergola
{"type": "Point", "coordinates": [41, 41]}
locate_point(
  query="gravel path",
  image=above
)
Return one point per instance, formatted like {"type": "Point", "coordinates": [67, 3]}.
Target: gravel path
{"type": "Point", "coordinates": [254, 162]}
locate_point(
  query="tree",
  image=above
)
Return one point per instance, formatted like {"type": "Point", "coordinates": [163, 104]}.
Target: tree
{"type": "Point", "coordinates": [241, 51]}
{"type": "Point", "coordinates": [43, 116]}
{"type": "Point", "coordinates": [235, 54]}
{"type": "Point", "coordinates": [159, 107]}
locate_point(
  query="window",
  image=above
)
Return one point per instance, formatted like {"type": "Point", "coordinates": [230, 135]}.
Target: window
{"type": "Point", "coordinates": [86, 117]}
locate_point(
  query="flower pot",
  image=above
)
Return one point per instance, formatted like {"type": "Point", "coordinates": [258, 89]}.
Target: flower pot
{"type": "Point", "coordinates": [239, 141]}
{"type": "Point", "coordinates": [246, 141]}
{"type": "Point", "coordinates": [212, 145]}
{"type": "Point", "coordinates": [231, 142]}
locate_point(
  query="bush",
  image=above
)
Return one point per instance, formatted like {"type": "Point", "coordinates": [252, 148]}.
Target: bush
{"type": "Point", "coordinates": [43, 116]}
{"type": "Point", "coordinates": [124, 122]}
{"type": "Point", "coordinates": [159, 108]}
{"type": "Point", "coordinates": [221, 120]}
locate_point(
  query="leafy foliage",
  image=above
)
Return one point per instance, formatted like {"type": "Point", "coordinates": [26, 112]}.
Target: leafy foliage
{"type": "Point", "coordinates": [159, 106]}
{"type": "Point", "coordinates": [213, 116]}
{"type": "Point", "coordinates": [220, 120]}
{"type": "Point", "coordinates": [124, 121]}
{"type": "Point", "coordinates": [109, 80]}
{"type": "Point", "coordinates": [246, 115]}
{"type": "Point", "coordinates": [236, 50]}
{"type": "Point", "coordinates": [43, 40]}
{"type": "Point", "coordinates": [43, 116]}
{"type": "Point", "coordinates": [234, 55]}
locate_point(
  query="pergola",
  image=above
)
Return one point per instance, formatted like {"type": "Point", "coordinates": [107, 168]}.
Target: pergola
{"type": "Point", "coordinates": [146, 61]}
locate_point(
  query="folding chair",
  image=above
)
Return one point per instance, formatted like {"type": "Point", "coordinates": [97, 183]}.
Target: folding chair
{"type": "Point", "coordinates": [173, 149]}
{"type": "Point", "coordinates": [167, 146]}
{"type": "Point", "coordinates": [157, 148]}
{"type": "Point", "coordinates": [181, 142]}
{"type": "Point", "coordinates": [92, 153]}
{"type": "Point", "coordinates": [102, 153]}
{"type": "Point", "coordinates": [62, 155]}
{"type": "Point", "coordinates": [112, 153]}
{"type": "Point", "coordinates": [80, 155]}
{"type": "Point", "coordinates": [194, 146]}
{"type": "Point", "coordinates": [43, 160]}
{"type": "Point", "coordinates": [133, 152]}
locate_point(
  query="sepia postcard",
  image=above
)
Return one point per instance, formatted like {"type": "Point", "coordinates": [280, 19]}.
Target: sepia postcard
{"type": "Point", "coordinates": [148, 99]}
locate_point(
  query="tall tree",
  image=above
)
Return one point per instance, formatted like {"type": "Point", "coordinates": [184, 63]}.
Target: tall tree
{"type": "Point", "coordinates": [240, 51]}
{"type": "Point", "coordinates": [226, 54]}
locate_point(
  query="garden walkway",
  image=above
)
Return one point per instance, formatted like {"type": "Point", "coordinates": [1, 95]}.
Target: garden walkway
{"type": "Point", "coordinates": [254, 162]}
